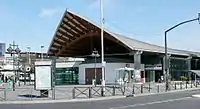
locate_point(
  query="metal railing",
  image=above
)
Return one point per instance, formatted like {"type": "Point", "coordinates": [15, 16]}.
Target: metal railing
{"type": "Point", "coordinates": [85, 91]}
{"type": "Point", "coordinates": [92, 91]}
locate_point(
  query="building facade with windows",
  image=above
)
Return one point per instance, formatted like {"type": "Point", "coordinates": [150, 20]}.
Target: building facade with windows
{"type": "Point", "coordinates": [2, 49]}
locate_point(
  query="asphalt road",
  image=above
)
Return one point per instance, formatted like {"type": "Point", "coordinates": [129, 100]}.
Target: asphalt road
{"type": "Point", "coordinates": [177, 100]}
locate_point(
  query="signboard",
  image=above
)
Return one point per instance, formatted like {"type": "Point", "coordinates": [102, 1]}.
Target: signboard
{"type": "Point", "coordinates": [43, 75]}
{"type": "Point", "coordinates": [153, 67]}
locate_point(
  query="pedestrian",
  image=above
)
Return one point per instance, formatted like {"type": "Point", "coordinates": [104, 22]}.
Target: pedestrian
{"type": "Point", "coordinates": [159, 80]}
{"type": "Point", "coordinates": [162, 79]}
{"type": "Point", "coordinates": [6, 79]}
{"type": "Point", "coordinates": [3, 78]}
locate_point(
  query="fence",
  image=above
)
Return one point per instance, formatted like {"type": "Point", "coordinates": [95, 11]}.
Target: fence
{"type": "Point", "coordinates": [27, 92]}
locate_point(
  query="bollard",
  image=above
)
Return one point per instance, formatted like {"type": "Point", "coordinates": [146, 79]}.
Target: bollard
{"type": "Point", "coordinates": [142, 88]}
{"type": "Point", "coordinates": [196, 84]}
{"type": "Point", "coordinates": [102, 94]}
{"type": "Point", "coordinates": [124, 89]}
{"type": "Point", "coordinates": [191, 84]}
{"type": "Point", "coordinates": [31, 95]}
{"type": "Point", "coordinates": [158, 88]}
{"type": "Point", "coordinates": [149, 87]}
{"type": "Point", "coordinates": [13, 85]}
{"type": "Point", "coordinates": [186, 85]}
{"type": "Point", "coordinates": [54, 93]}
{"type": "Point", "coordinates": [175, 86]}
{"type": "Point", "coordinates": [90, 92]}
{"type": "Point", "coordinates": [5, 94]}
{"type": "Point", "coordinates": [181, 85]}
{"type": "Point", "coordinates": [73, 93]}
{"type": "Point", "coordinates": [113, 94]}
{"type": "Point", "coordinates": [166, 87]}
{"type": "Point", "coordinates": [133, 91]}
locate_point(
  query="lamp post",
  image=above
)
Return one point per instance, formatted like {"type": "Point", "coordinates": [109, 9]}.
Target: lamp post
{"type": "Point", "coordinates": [195, 77]}
{"type": "Point", "coordinates": [14, 49]}
{"type": "Point", "coordinates": [29, 57]}
{"type": "Point", "coordinates": [29, 64]}
{"type": "Point", "coordinates": [102, 47]}
{"type": "Point", "coordinates": [166, 57]}
{"type": "Point", "coordinates": [95, 54]}
{"type": "Point", "coordinates": [42, 51]}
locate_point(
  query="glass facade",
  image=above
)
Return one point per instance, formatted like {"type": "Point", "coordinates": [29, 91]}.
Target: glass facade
{"type": "Point", "coordinates": [150, 75]}
{"type": "Point", "coordinates": [178, 68]}
{"type": "Point", "coordinates": [65, 76]}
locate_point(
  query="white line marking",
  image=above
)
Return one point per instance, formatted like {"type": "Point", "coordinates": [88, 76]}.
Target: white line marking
{"type": "Point", "coordinates": [150, 103]}
{"type": "Point", "coordinates": [61, 101]}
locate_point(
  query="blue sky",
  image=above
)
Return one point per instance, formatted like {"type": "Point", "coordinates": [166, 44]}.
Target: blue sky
{"type": "Point", "coordinates": [33, 22]}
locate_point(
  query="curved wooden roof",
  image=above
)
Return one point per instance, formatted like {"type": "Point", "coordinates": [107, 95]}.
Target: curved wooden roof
{"type": "Point", "coordinates": [71, 30]}
{"type": "Point", "coordinates": [69, 38]}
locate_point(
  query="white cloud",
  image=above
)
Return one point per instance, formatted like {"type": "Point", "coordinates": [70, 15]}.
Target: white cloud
{"type": "Point", "coordinates": [49, 12]}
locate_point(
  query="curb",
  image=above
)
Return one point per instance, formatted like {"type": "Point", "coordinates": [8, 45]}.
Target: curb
{"type": "Point", "coordinates": [93, 99]}
{"type": "Point", "coordinates": [62, 101]}
{"type": "Point", "coordinates": [149, 94]}
{"type": "Point", "coordinates": [196, 96]}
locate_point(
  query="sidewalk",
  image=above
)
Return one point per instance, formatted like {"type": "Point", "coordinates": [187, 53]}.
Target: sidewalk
{"type": "Point", "coordinates": [91, 99]}
{"type": "Point", "coordinates": [28, 93]}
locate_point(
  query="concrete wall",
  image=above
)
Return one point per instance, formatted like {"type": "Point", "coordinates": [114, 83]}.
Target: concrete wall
{"type": "Point", "coordinates": [110, 73]}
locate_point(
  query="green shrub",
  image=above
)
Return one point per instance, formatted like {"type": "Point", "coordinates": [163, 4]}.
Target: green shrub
{"type": "Point", "coordinates": [183, 78]}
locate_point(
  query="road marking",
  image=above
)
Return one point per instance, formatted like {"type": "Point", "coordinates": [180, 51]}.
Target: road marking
{"type": "Point", "coordinates": [150, 103]}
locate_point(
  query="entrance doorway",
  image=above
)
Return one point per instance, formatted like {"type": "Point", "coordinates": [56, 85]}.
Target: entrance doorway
{"type": "Point", "coordinates": [90, 74]}
{"type": "Point", "coordinates": [158, 75]}
{"type": "Point", "coordinates": [153, 75]}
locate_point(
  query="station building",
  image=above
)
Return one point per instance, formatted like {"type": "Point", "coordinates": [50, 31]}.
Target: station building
{"type": "Point", "coordinates": [76, 36]}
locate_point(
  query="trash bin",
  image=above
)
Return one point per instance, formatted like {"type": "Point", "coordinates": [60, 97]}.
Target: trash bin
{"type": "Point", "coordinates": [93, 82]}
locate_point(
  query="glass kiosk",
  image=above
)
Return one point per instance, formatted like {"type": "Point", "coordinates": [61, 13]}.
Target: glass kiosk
{"type": "Point", "coordinates": [127, 75]}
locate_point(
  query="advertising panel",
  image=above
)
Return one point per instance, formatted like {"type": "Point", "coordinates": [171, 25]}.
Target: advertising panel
{"type": "Point", "coordinates": [43, 75]}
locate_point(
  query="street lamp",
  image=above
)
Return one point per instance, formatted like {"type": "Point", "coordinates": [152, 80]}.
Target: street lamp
{"type": "Point", "coordinates": [29, 57]}
{"type": "Point", "coordinates": [102, 47]}
{"type": "Point", "coordinates": [14, 49]}
{"type": "Point", "coordinates": [195, 75]}
{"type": "Point", "coordinates": [95, 54]}
{"type": "Point", "coordinates": [42, 51]}
{"type": "Point", "coordinates": [166, 57]}
{"type": "Point", "coordinates": [28, 67]}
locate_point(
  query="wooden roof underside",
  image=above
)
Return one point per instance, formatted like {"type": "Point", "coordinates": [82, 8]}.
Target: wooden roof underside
{"type": "Point", "coordinates": [71, 31]}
